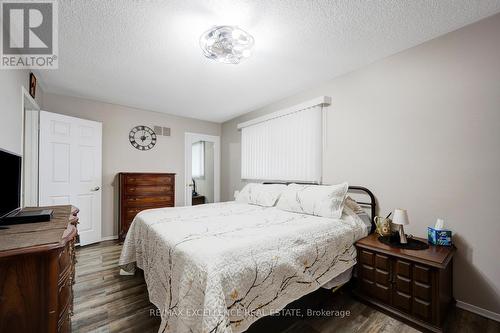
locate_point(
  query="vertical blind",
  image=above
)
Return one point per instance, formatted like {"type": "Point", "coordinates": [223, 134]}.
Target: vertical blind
{"type": "Point", "coordinates": [198, 160]}
{"type": "Point", "coordinates": [286, 148]}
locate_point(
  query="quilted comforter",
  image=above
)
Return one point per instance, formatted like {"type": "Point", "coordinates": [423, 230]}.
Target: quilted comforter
{"type": "Point", "coordinates": [220, 267]}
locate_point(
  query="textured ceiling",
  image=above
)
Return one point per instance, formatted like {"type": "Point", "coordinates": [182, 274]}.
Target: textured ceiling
{"type": "Point", "coordinates": [145, 54]}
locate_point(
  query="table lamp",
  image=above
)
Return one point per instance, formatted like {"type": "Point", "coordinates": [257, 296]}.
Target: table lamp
{"type": "Point", "coordinates": [400, 218]}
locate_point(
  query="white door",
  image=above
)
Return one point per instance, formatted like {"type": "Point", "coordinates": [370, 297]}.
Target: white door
{"type": "Point", "coordinates": [214, 167]}
{"type": "Point", "coordinates": [70, 169]}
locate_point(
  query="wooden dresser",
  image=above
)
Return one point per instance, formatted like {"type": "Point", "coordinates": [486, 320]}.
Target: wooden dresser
{"type": "Point", "coordinates": [140, 191]}
{"type": "Point", "coordinates": [37, 273]}
{"type": "Point", "coordinates": [414, 285]}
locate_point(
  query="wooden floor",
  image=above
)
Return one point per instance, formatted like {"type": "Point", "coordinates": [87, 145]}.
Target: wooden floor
{"type": "Point", "coordinates": [108, 302]}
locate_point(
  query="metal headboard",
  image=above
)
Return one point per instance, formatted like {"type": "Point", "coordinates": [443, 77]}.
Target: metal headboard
{"type": "Point", "coordinates": [355, 189]}
{"type": "Point", "coordinates": [372, 204]}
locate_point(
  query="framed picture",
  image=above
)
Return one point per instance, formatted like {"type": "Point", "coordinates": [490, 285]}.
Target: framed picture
{"type": "Point", "coordinates": [32, 85]}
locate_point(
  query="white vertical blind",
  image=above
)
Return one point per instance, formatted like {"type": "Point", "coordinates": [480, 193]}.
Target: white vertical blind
{"type": "Point", "coordinates": [287, 148]}
{"type": "Point", "coordinates": [198, 159]}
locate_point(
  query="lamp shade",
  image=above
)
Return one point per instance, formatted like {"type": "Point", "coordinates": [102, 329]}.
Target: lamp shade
{"type": "Point", "coordinates": [400, 216]}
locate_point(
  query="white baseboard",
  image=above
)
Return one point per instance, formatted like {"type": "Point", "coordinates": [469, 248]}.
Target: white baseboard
{"type": "Point", "coordinates": [108, 238]}
{"type": "Point", "coordinates": [480, 311]}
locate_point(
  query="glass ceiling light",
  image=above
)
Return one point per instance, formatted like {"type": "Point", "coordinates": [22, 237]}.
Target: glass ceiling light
{"type": "Point", "coordinates": [226, 44]}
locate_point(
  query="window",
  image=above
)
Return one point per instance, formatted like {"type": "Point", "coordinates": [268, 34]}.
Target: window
{"type": "Point", "coordinates": [284, 146]}
{"type": "Point", "coordinates": [198, 159]}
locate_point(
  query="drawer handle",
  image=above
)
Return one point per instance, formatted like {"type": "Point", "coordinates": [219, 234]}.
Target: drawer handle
{"type": "Point", "coordinates": [69, 282]}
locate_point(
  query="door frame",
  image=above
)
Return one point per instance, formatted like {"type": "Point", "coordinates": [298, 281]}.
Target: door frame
{"type": "Point", "coordinates": [189, 139]}
{"type": "Point", "coordinates": [27, 101]}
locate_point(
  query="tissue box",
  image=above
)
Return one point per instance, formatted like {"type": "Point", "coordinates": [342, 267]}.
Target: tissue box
{"type": "Point", "coordinates": [439, 236]}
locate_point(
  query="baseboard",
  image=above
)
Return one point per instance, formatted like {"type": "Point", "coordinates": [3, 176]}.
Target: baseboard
{"type": "Point", "coordinates": [108, 238]}
{"type": "Point", "coordinates": [480, 311]}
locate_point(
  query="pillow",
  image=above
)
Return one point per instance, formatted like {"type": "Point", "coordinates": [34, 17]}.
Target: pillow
{"type": "Point", "coordinates": [260, 194]}
{"type": "Point", "coordinates": [319, 200]}
{"type": "Point", "coordinates": [358, 210]}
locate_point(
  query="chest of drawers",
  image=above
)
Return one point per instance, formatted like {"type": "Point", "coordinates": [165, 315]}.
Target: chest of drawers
{"type": "Point", "coordinates": [37, 273]}
{"type": "Point", "coordinates": [140, 191]}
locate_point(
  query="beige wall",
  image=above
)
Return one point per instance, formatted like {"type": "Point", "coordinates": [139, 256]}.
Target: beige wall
{"type": "Point", "coordinates": [11, 115]}
{"type": "Point", "coordinates": [118, 153]}
{"type": "Point", "coordinates": [422, 130]}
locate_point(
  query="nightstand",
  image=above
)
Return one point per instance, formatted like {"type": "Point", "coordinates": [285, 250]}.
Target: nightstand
{"type": "Point", "coordinates": [413, 285]}
{"type": "Point", "coordinates": [197, 200]}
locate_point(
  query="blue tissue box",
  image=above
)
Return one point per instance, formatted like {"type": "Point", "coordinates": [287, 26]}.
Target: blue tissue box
{"type": "Point", "coordinates": [439, 237]}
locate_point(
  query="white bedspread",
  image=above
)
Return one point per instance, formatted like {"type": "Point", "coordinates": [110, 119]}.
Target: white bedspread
{"type": "Point", "coordinates": [219, 267]}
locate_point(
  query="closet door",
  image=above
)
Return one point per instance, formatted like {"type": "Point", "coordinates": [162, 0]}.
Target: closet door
{"type": "Point", "coordinates": [374, 275]}
{"type": "Point", "coordinates": [382, 287]}
{"type": "Point", "coordinates": [423, 291]}
{"type": "Point", "coordinates": [366, 271]}
{"type": "Point", "coordinates": [70, 169]}
{"type": "Point", "coordinates": [402, 285]}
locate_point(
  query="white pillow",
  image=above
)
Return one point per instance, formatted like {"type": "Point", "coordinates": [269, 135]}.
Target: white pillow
{"type": "Point", "coordinates": [358, 210]}
{"type": "Point", "coordinates": [319, 200]}
{"type": "Point", "coordinates": [260, 194]}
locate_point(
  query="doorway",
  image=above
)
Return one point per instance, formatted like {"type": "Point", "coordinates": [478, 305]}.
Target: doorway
{"type": "Point", "coordinates": [202, 169]}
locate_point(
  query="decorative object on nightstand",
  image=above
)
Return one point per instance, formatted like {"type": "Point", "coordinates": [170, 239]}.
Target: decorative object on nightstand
{"type": "Point", "coordinates": [400, 218]}
{"type": "Point", "coordinates": [383, 225]}
{"type": "Point", "coordinates": [411, 244]}
{"type": "Point", "coordinates": [415, 286]}
{"type": "Point", "coordinates": [194, 188]}
{"type": "Point", "coordinates": [438, 235]}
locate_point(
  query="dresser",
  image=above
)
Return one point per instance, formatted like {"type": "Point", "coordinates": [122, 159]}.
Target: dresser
{"type": "Point", "coordinates": [140, 191]}
{"type": "Point", "coordinates": [414, 285]}
{"type": "Point", "coordinates": [37, 273]}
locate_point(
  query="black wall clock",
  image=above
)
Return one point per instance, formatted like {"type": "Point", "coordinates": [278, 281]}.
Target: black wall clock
{"type": "Point", "coordinates": [142, 137]}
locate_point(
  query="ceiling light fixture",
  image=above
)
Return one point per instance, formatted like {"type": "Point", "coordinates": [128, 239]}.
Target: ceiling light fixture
{"type": "Point", "coordinates": [226, 44]}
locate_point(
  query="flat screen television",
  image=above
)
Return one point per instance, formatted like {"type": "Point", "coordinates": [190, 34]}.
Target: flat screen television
{"type": "Point", "coordinates": [10, 165]}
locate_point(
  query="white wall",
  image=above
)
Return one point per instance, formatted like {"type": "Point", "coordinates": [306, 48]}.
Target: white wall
{"type": "Point", "coordinates": [422, 130]}
{"type": "Point", "coordinates": [118, 153]}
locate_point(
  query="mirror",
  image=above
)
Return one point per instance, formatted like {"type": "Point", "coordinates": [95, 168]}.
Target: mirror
{"type": "Point", "coordinates": [203, 172]}
{"type": "Point", "coordinates": [30, 152]}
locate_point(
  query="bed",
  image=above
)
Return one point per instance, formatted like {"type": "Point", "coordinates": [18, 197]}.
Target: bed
{"type": "Point", "coordinates": [220, 267]}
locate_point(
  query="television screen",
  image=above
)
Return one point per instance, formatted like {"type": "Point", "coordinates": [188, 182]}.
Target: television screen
{"type": "Point", "coordinates": [11, 182]}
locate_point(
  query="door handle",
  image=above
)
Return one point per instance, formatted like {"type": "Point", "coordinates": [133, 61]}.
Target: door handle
{"type": "Point", "coordinates": [97, 188]}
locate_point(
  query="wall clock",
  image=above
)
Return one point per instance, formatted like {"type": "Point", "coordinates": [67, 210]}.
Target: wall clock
{"type": "Point", "coordinates": [142, 137]}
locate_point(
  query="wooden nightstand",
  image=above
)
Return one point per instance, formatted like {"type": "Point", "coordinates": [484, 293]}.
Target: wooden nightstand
{"type": "Point", "coordinates": [198, 200]}
{"type": "Point", "coordinates": [415, 286]}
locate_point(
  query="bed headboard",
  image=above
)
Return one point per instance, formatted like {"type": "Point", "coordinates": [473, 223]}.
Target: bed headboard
{"type": "Point", "coordinates": [371, 204]}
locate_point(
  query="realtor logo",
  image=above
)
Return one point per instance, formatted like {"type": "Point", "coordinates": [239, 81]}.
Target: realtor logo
{"type": "Point", "coordinates": [29, 34]}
